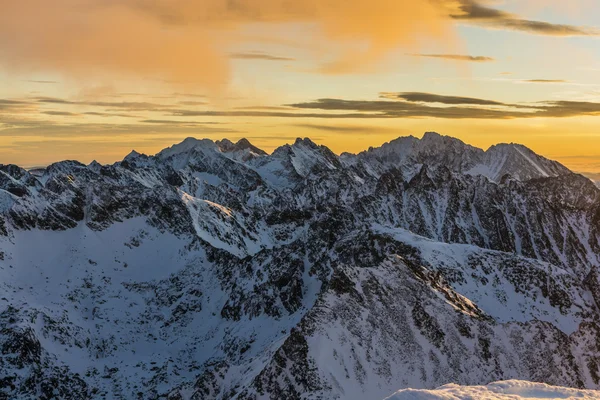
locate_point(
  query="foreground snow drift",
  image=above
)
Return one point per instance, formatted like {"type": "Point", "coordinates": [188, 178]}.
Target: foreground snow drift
{"type": "Point", "coordinates": [512, 389]}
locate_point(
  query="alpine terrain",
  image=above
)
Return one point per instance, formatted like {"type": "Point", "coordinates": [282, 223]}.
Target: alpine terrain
{"type": "Point", "coordinates": [213, 270]}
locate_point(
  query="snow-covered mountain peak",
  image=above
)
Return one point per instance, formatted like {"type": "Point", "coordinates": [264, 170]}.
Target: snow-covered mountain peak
{"type": "Point", "coordinates": [517, 160]}
{"type": "Point", "coordinates": [400, 147]}
{"type": "Point", "coordinates": [305, 142]}
{"type": "Point", "coordinates": [407, 153]}
{"type": "Point", "coordinates": [95, 166]}
{"type": "Point", "coordinates": [304, 158]}
{"type": "Point", "coordinates": [432, 143]}
{"type": "Point", "coordinates": [225, 144]}
{"type": "Point", "coordinates": [14, 171]}
{"type": "Point", "coordinates": [244, 144]}
{"type": "Point", "coordinates": [510, 149]}
{"type": "Point", "coordinates": [132, 156]}
{"type": "Point", "coordinates": [242, 151]}
{"type": "Point", "coordinates": [64, 167]}
{"type": "Point", "coordinates": [432, 138]}
{"type": "Point", "coordinates": [307, 157]}
{"type": "Point", "coordinates": [187, 145]}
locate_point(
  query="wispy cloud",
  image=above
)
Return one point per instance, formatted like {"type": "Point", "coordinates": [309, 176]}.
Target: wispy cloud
{"type": "Point", "coordinates": [104, 114]}
{"type": "Point", "coordinates": [40, 81]}
{"type": "Point", "coordinates": [437, 98]}
{"type": "Point", "coordinates": [456, 57]}
{"type": "Point", "coordinates": [194, 95]}
{"type": "Point", "coordinates": [60, 113]}
{"type": "Point", "coordinates": [473, 12]}
{"type": "Point", "coordinates": [176, 122]}
{"type": "Point", "coordinates": [406, 109]}
{"type": "Point", "coordinates": [125, 105]}
{"type": "Point", "coordinates": [545, 81]}
{"type": "Point", "coordinates": [193, 103]}
{"type": "Point", "coordinates": [273, 114]}
{"type": "Point", "coordinates": [344, 128]}
{"type": "Point", "coordinates": [12, 105]}
{"type": "Point", "coordinates": [82, 131]}
{"type": "Point", "coordinates": [265, 108]}
{"type": "Point", "coordinates": [256, 55]}
{"type": "Point", "coordinates": [390, 105]}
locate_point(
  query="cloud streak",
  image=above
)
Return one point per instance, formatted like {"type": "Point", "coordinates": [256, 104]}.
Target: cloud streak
{"type": "Point", "coordinates": [343, 128]}
{"type": "Point", "coordinates": [259, 56]}
{"type": "Point", "coordinates": [60, 113]}
{"type": "Point", "coordinates": [38, 81]}
{"type": "Point", "coordinates": [406, 109]}
{"type": "Point", "coordinates": [390, 105]}
{"type": "Point", "coordinates": [12, 105]}
{"type": "Point", "coordinates": [545, 81]}
{"type": "Point", "coordinates": [104, 114]}
{"type": "Point", "coordinates": [456, 57]}
{"type": "Point", "coordinates": [473, 12]}
{"type": "Point", "coordinates": [124, 105]}
{"type": "Point", "coordinates": [437, 98]}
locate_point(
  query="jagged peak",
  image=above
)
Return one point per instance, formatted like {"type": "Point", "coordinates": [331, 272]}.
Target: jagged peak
{"type": "Point", "coordinates": [305, 142]}
{"type": "Point", "coordinates": [287, 148]}
{"type": "Point", "coordinates": [13, 170]}
{"type": "Point", "coordinates": [188, 144]}
{"type": "Point", "coordinates": [226, 146]}
{"type": "Point", "coordinates": [508, 147]}
{"type": "Point", "coordinates": [431, 135]}
{"type": "Point", "coordinates": [60, 165]}
{"type": "Point", "coordinates": [224, 142]}
{"type": "Point", "coordinates": [243, 142]}
{"type": "Point", "coordinates": [94, 166]}
{"type": "Point", "coordinates": [64, 167]}
{"type": "Point", "coordinates": [401, 143]}
{"type": "Point", "coordinates": [441, 142]}
{"type": "Point", "coordinates": [133, 155]}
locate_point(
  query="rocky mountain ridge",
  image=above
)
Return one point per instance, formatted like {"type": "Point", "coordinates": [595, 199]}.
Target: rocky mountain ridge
{"type": "Point", "coordinates": [214, 270]}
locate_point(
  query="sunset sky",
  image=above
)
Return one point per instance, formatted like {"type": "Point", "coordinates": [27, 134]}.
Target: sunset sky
{"type": "Point", "coordinates": [93, 79]}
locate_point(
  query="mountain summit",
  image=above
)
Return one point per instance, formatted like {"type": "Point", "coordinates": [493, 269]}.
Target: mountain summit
{"type": "Point", "coordinates": [213, 270]}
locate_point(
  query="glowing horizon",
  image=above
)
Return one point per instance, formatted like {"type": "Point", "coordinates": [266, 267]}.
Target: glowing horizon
{"type": "Point", "coordinates": [90, 79]}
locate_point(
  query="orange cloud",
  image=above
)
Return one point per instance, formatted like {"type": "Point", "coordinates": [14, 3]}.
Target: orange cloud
{"type": "Point", "coordinates": [184, 40]}
{"type": "Point", "coordinates": [83, 38]}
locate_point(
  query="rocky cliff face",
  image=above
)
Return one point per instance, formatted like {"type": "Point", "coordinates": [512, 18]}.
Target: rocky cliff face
{"type": "Point", "coordinates": [217, 271]}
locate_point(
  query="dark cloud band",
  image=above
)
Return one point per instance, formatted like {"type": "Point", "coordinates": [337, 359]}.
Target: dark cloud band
{"type": "Point", "coordinates": [471, 11]}
{"type": "Point", "coordinates": [436, 98]}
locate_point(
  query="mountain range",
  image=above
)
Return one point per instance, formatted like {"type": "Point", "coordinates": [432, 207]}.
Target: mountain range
{"type": "Point", "coordinates": [213, 270]}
